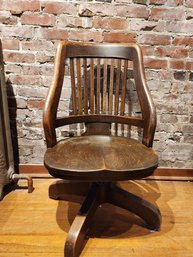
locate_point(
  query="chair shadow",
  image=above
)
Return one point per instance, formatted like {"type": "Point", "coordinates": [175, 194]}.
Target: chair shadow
{"type": "Point", "coordinates": [109, 221]}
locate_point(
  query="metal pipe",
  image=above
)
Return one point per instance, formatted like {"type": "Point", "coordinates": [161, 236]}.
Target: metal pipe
{"type": "Point", "coordinates": [15, 177]}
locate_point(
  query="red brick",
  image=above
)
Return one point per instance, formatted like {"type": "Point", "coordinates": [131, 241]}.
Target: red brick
{"type": "Point", "coordinates": [37, 104]}
{"type": "Point", "coordinates": [165, 75]}
{"type": "Point", "coordinates": [84, 35]}
{"type": "Point", "coordinates": [31, 69]}
{"type": "Point", "coordinates": [74, 22]}
{"type": "Point", "coordinates": [172, 52]}
{"type": "Point", "coordinates": [34, 92]}
{"type": "Point", "coordinates": [53, 33]}
{"type": "Point", "coordinates": [17, 31]}
{"type": "Point", "coordinates": [167, 13]}
{"type": "Point", "coordinates": [189, 65]}
{"type": "Point", "coordinates": [38, 19]}
{"type": "Point", "coordinates": [148, 50]}
{"type": "Point", "coordinates": [118, 37]}
{"type": "Point", "coordinates": [137, 25]}
{"type": "Point", "coordinates": [168, 118]}
{"type": "Point", "coordinates": [154, 39]}
{"type": "Point", "coordinates": [97, 9]}
{"type": "Point", "coordinates": [45, 57]}
{"type": "Point", "coordinates": [106, 9]}
{"type": "Point", "coordinates": [19, 57]}
{"type": "Point", "coordinates": [13, 68]}
{"type": "Point", "coordinates": [60, 7]}
{"type": "Point", "coordinates": [161, 26]}
{"type": "Point", "coordinates": [155, 63]}
{"type": "Point", "coordinates": [190, 54]}
{"type": "Point", "coordinates": [47, 70]}
{"type": "Point", "coordinates": [179, 53]}
{"type": "Point", "coordinates": [18, 79]}
{"type": "Point", "coordinates": [37, 45]}
{"type": "Point", "coordinates": [132, 11]}
{"type": "Point", "coordinates": [183, 40]}
{"type": "Point", "coordinates": [177, 64]}
{"type": "Point", "coordinates": [110, 23]}
{"type": "Point", "coordinates": [189, 3]}
{"type": "Point", "coordinates": [11, 44]}
{"type": "Point", "coordinates": [180, 27]}
{"type": "Point", "coordinates": [18, 7]}
{"type": "Point", "coordinates": [38, 69]}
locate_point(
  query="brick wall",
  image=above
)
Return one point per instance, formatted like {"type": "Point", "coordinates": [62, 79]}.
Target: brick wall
{"type": "Point", "coordinates": [30, 29]}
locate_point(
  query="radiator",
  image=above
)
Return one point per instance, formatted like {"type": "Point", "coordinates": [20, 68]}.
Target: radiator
{"type": "Point", "coordinates": [6, 151]}
{"type": "Point", "coordinates": [7, 174]}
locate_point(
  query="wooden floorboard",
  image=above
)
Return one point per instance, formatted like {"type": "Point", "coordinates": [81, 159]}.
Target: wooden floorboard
{"type": "Point", "coordinates": [33, 225]}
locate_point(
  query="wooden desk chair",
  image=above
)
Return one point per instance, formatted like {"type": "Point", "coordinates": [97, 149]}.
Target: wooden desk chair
{"type": "Point", "coordinates": [103, 153]}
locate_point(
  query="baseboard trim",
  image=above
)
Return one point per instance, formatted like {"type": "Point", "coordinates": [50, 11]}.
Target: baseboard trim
{"type": "Point", "coordinates": [161, 173]}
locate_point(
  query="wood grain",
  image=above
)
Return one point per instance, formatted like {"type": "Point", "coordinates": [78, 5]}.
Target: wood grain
{"type": "Point", "coordinates": [100, 158]}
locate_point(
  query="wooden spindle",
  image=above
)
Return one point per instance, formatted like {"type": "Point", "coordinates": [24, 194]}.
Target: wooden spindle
{"type": "Point", "coordinates": [98, 86]}
{"type": "Point", "coordinates": [79, 85]}
{"type": "Point", "coordinates": [92, 85]}
{"type": "Point", "coordinates": [85, 86]}
{"type": "Point", "coordinates": [123, 93]}
{"type": "Point", "coordinates": [117, 87]}
{"type": "Point", "coordinates": [73, 86]}
{"type": "Point", "coordinates": [104, 86]}
{"type": "Point", "coordinates": [110, 102]}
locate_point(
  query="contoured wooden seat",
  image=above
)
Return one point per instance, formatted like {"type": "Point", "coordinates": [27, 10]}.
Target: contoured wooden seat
{"type": "Point", "coordinates": [103, 153]}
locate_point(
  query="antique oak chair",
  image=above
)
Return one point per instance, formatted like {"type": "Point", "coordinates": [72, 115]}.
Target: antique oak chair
{"type": "Point", "coordinates": [104, 152]}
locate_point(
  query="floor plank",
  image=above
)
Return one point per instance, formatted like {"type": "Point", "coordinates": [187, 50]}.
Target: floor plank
{"type": "Point", "coordinates": [34, 225]}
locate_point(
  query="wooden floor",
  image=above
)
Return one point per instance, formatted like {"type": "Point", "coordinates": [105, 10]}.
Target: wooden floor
{"type": "Point", "coordinates": [34, 225]}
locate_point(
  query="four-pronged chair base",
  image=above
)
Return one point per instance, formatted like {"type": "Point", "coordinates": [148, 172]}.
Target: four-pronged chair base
{"type": "Point", "coordinates": [98, 194]}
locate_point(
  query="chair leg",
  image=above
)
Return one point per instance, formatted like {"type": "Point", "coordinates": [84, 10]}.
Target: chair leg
{"type": "Point", "coordinates": [126, 200]}
{"type": "Point", "coordinates": [77, 236]}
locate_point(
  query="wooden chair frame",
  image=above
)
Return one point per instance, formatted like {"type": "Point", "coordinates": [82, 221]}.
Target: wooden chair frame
{"type": "Point", "coordinates": [102, 189]}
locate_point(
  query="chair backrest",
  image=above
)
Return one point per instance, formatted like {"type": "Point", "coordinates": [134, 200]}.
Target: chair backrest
{"type": "Point", "coordinates": [100, 78]}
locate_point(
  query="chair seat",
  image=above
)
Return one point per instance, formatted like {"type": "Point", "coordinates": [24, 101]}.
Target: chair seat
{"type": "Point", "coordinates": [102, 157]}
